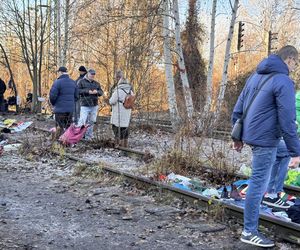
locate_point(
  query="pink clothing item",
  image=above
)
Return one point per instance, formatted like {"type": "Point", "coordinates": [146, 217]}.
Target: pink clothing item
{"type": "Point", "coordinates": [73, 134]}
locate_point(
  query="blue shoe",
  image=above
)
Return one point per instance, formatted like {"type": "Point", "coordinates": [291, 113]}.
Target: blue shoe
{"type": "Point", "coordinates": [256, 239]}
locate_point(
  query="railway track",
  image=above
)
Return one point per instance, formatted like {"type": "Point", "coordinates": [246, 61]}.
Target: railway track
{"type": "Point", "coordinates": [293, 190]}
{"type": "Point", "coordinates": [285, 230]}
{"type": "Point", "coordinates": [166, 125]}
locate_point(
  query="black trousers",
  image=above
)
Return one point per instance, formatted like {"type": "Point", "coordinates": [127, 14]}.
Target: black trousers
{"type": "Point", "coordinates": [63, 120]}
{"type": "Point", "coordinates": [2, 108]}
{"type": "Point", "coordinates": [121, 134]}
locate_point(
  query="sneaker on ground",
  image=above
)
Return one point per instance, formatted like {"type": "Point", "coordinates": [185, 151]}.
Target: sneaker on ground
{"type": "Point", "coordinates": [275, 202]}
{"type": "Point", "coordinates": [287, 197]}
{"type": "Point", "coordinates": [256, 239]}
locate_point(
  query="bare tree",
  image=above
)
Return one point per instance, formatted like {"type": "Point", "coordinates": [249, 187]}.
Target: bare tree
{"type": "Point", "coordinates": [58, 30]}
{"type": "Point", "coordinates": [66, 36]}
{"type": "Point", "coordinates": [28, 21]}
{"type": "Point", "coordinates": [181, 64]}
{"type": "Point", "coordinates": [227, 59]}
{"type": "Point", "coordinates": [211, 58]}
{"type": "Point", "coordinates": [168, 65]}
{"type": "Point", "coordinates": [12, 81]}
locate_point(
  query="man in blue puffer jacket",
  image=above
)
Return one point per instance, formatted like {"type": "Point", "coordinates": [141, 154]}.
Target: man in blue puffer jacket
{"type": "Point", "coordinates": [63, 95]}
{"type": "Point", "coordinates": [271, 116]}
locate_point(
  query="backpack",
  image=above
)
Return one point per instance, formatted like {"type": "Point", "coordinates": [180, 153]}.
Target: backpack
{"type": "Point", "coordinates": [129, 100]}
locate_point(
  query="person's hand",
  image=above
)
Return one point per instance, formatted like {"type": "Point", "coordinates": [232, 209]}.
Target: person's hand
{"type": "Point", "coordinates": [93, 92]}
{"type": "Point", "coordinates": [294, 162]}
{"type": "Point", "coordinates": [238, 145]}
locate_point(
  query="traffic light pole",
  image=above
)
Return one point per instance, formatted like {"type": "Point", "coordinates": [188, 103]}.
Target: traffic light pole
{"type": "Point", "coordinates": [271, 37]}
{"type": "Point", "coordinates": [240, 35]}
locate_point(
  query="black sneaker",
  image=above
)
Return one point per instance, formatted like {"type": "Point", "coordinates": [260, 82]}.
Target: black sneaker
{"type": "Point", "coordinates": [256, 239]}
{"type": "Point", "coordinates": [275, 202]}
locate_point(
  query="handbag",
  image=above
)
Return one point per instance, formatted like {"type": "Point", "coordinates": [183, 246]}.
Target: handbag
{"type": "Point", "coordinates": [237, 130]}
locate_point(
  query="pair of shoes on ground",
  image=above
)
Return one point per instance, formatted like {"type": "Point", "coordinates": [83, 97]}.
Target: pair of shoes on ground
{"type": "Point", "coordinates": [256, 239]}
{"type": "Point", "coordinates": [275, 202]}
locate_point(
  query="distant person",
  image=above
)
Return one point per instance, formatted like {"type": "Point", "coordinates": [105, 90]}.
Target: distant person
{"type": "Point", "coordinates": [271, 116]}
{"type": "Point", "coordinates": [2, 91]}
{"type": "Point", "coordinates": [63, 95]}
{"type": "Point", "coordinates": [89, 91]}
{"type": "Point", "coordinates": [28, 102]}
{"type": "Point", "coordinates": [82, 72]}
{"type": "Point", "coordinates": [120, 117]}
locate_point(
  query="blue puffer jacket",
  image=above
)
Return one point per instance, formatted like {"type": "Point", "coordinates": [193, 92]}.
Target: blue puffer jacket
{"type": "Point", "coordinates": [63, 94]}
{"type": "Point", "coordinates": [272, 114]}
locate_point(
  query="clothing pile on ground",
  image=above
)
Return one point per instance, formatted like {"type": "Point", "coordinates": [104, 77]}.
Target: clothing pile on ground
{"type": "Point", "coordinates": [5, 146]}
{"type": "Point", "coordinates": [12, 125]}
{"type": "Point", "coordinates": [235, 194]}
{"type": "Point", "coordinates": [292, 178]}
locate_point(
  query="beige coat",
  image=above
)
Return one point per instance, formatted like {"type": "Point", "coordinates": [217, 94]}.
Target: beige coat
{"type": "Point", "coordinates": [120, 116]}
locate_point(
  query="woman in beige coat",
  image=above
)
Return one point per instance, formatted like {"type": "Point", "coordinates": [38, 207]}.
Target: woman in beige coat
{"type": "Point", "coordinates": [120, 117]}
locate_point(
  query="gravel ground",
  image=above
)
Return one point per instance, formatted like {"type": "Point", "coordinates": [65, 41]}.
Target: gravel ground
{"type": "Point", "coordinates": [47, 202]}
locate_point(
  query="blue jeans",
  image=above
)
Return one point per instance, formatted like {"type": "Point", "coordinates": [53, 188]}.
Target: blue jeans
{"type": "Point", "coordinates": [279, 169]}
{"type": "Point", "coordinates": [88, 115]}
{"type": "Point", "coordinates": [263, 159]}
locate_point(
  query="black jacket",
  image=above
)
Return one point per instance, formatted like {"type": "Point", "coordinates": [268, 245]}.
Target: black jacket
{"type": "Point", "coordinates": [86, 99]}
{"type": "Point", "coordinates": [2, 87]}
{"type": "Point", "coordinates": [79, 78]}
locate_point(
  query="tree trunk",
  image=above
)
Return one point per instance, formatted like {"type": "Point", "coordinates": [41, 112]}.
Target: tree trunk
{"type": "Point", "coordinates": [11, 76]}
{"type": "Point", "coordinates": [181, 64]}
{"type": "Point", "coordinates": [211, 58]}
{"type": "Point", "coordinates": [226, 61]}
{"type": "Point", "coordinates": [168, 66]}
{"type": "Point", "coordinates": [66, 38]}
{"type": "Point", "coordinates": [58, 9]}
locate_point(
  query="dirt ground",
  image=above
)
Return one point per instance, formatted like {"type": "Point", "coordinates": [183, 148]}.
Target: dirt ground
{"type": "Point", "coordinates": [48, 202]}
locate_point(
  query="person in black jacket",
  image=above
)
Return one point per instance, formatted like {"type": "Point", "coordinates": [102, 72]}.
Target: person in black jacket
{"type": "Point", "coordinates": [2, 91]}
{"type": "Point", "coordinates": [89, 91]}
{"type": "Point", "coordinates": [82, 72]}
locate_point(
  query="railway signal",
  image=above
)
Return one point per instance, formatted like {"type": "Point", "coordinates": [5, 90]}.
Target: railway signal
{"type": "Point", "coordinates": [240, 35]}
{"type": "Point", "coordinates": [272, 36]}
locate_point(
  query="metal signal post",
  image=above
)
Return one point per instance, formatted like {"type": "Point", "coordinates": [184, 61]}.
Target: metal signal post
{"type": "Point", "coordinates": [240, 35]}
{"type": "Point", "coordinates": [271, 37]}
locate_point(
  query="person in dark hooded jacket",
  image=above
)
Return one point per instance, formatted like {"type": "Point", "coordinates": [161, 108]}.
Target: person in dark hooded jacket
{"type": "Point", "coordinates": [271, 117]}
{"type": "Point", "coordinates": [2, 91]}
{"type": "Point", "coordinates": [63, 95]}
